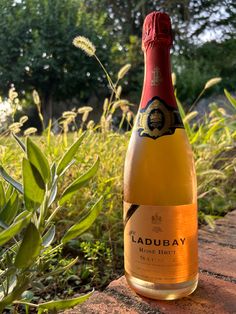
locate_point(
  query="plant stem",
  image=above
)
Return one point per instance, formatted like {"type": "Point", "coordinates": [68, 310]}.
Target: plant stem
{"type": "Point", "coordinates": [196, 100]}
{"type": "Point", "coordinates": [52, 215]}
{"type": "Point", "coordinates": [25, 303]}
{"type": "Point", "coordinates": [105, 71]}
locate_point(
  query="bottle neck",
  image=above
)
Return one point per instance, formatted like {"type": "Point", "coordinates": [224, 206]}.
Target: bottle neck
{"type": "Point", "coordinates": [157, 76]}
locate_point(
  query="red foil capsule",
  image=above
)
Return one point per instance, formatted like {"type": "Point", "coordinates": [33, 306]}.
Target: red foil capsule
{"type": "Point", "coordinates": [156, 30]}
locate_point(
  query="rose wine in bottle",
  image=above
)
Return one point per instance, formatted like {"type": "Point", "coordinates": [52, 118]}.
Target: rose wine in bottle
{"type": "Point", "coordinates": [160, 190]}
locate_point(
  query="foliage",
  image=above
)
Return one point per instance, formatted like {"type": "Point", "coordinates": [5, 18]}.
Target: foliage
{"type": "Point", "coordinates": [28, 235]}
{"type": "Point", "coordinates": [36, 50]}
{"type": "Point", "coordinates": [100, 249]}
{"type": "Point", "coordinates": [202, 63]}
{"type": "Point", "coordinates": [213, 140]}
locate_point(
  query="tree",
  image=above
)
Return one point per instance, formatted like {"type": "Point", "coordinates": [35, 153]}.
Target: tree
{"type": "Point", "coordinates": [36, 50]}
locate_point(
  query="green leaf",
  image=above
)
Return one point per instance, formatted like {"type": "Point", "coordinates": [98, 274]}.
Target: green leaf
{"type": "Point", "coordinates": [212, 130]}
{"type": "Point", "coordinates": [14, 229]}
{"type": "Point", "coordinates": [49, 236]}
{"type": "Point", "coordinates": [2, 196]}
{"type": "Point", "coordinates": [230, 98]}
{"type": "Point", "coordinates": [30, 247]}
{"type": "Point", "coordinates": [19, 142]}
{"type": "Point", "coordinates": [53, 194]}
{"type": "Point", "coordinates": [21, 215]}
{"type": "Point", "coordinates": [9, 191]}
{"type": "Point", "coordinates": [78, 183]}
{"type": "Point", "coordinates": [63, 304]}
{"type": "Point", "coordinates": [69, 155]}
{"type": "Point", "coordinates": [53, 171]}
{"type": "Point", "coordinates": [68, 166]}
{"type": "Point", "coordinates": [10, 180]}
{"type": "Point", "coordinates": [38, 159]}
{"type": "Point", "coordinates": [84, 223]}
{"type": "Point", "coordinates": [34, 188]}
{"type": "Point", "coordinates": [11, 208]}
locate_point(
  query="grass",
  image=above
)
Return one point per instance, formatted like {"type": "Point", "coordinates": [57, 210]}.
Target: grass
{"type": "Point", "coordinates": [100, 250]}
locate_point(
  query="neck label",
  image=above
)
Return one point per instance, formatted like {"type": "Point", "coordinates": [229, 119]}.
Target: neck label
{"type": "Point", "coordinates": [156, 77]}
{"type": "Point", "coordinates": [157, 119]}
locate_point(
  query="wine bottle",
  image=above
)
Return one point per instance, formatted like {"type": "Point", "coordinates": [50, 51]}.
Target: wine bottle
{"type": "Point", "coordinates": [160, 190]}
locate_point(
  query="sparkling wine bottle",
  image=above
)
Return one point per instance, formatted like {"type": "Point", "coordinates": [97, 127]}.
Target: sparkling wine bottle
{"type": "Point", "coordinates": [160, 190]}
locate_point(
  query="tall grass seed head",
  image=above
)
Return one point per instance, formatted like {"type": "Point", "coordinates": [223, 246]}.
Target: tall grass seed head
{"type": "Point", "coordinates": [123, 71]}
{"type": "Point", "coordinates": [69, 114]}
{"type": "Point", "coordinates": [30, 131]}
{"type": "Point", "coordinates": [14, 126]}
{"type": "Point", "coordinates": [23, 119]}
{"type": "Point", "coordinates": [105, 104]}
{"type": "Point", "coordinates": [212, 82]}
{"type": "Point", "coordinates": [84, 109]}
{"type": "Point", "coordinates": [118, 92]}
{"type": "Point", "coordinates": [129, 116]}
{"type": "Point", "coordinates": [85, 116]}
{"type": "Point", "coordinates": [16, 130]}
{"type": "Point", "coordinates": [90, 125]}
{"type": "Point", "coordinates": [173, 77]}
{"type": "Point", "coordinates": [12, 94]}
{"type": "Point", "coordinates": [124, 107]}
{"type": "Point", "coordinates": [36, 97]}
{"type": "Point", "coordinates": [84, 44]}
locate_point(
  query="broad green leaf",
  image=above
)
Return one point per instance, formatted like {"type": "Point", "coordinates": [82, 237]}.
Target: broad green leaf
{"type": "Point", "coordinates": [34, 188]}
{"type": "Point", "coordinates": [78, 183]}
{"type": "Point", "coordinates": [53, 171]}
{"type": "Point", "coordinates": [63, 304]}
{"type": "Point", "coordinates": [68, 166]}
{"type": "Point", "coordinates": [49, 236]}
{"type": "Point", "coordinates": [9, 191]}
{"type": "Point", "coordinates": [69, 155]}
{"type": "Point", "coordinates": [14, 229]}
{"type": "Point", "coordinates": [21, 215]}
{"type": "Point", "coordinates": [230, 98]}
{"type": "Point", "coordinates": [19, 142]}
{"type": "Point", "coordinates": [30, 247]}
{"type": "Point", "coordinates": [10, 180]}
{"type": "Point", "coordinates": [2, 196]}
{"type": "Point", "coordinates": [53, 193]}
{"type": "Point", "coordinates": [11, 208]}
{"type": "Point", "coordinates": [84, 223]}
{"type": "Point", "coordinates": [38, 159]}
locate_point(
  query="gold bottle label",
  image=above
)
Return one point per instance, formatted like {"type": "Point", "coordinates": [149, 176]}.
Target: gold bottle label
{"type": "Point", "coordinates": [160, 242]}
{"type": "Point", "coordinates": [157, 119]}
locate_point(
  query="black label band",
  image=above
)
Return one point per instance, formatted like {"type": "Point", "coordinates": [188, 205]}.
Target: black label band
{"type": "Point", "coordinates": [157, 119]}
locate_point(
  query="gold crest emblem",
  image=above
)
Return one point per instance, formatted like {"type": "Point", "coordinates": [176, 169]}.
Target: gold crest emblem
{"type": "Point", "coordinates": [155, 120]}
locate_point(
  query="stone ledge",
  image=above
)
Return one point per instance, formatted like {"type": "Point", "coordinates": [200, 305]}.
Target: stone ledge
{"type": "Point", "coordinates": [216, 292]}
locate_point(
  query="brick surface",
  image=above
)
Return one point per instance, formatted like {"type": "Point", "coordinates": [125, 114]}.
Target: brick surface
{"type": "Point", "coordinates": [218, 259]}
{"type": "Point", "coordinates": [216, 292]}
{"type": "Point", "coordinates": [224, 232]}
